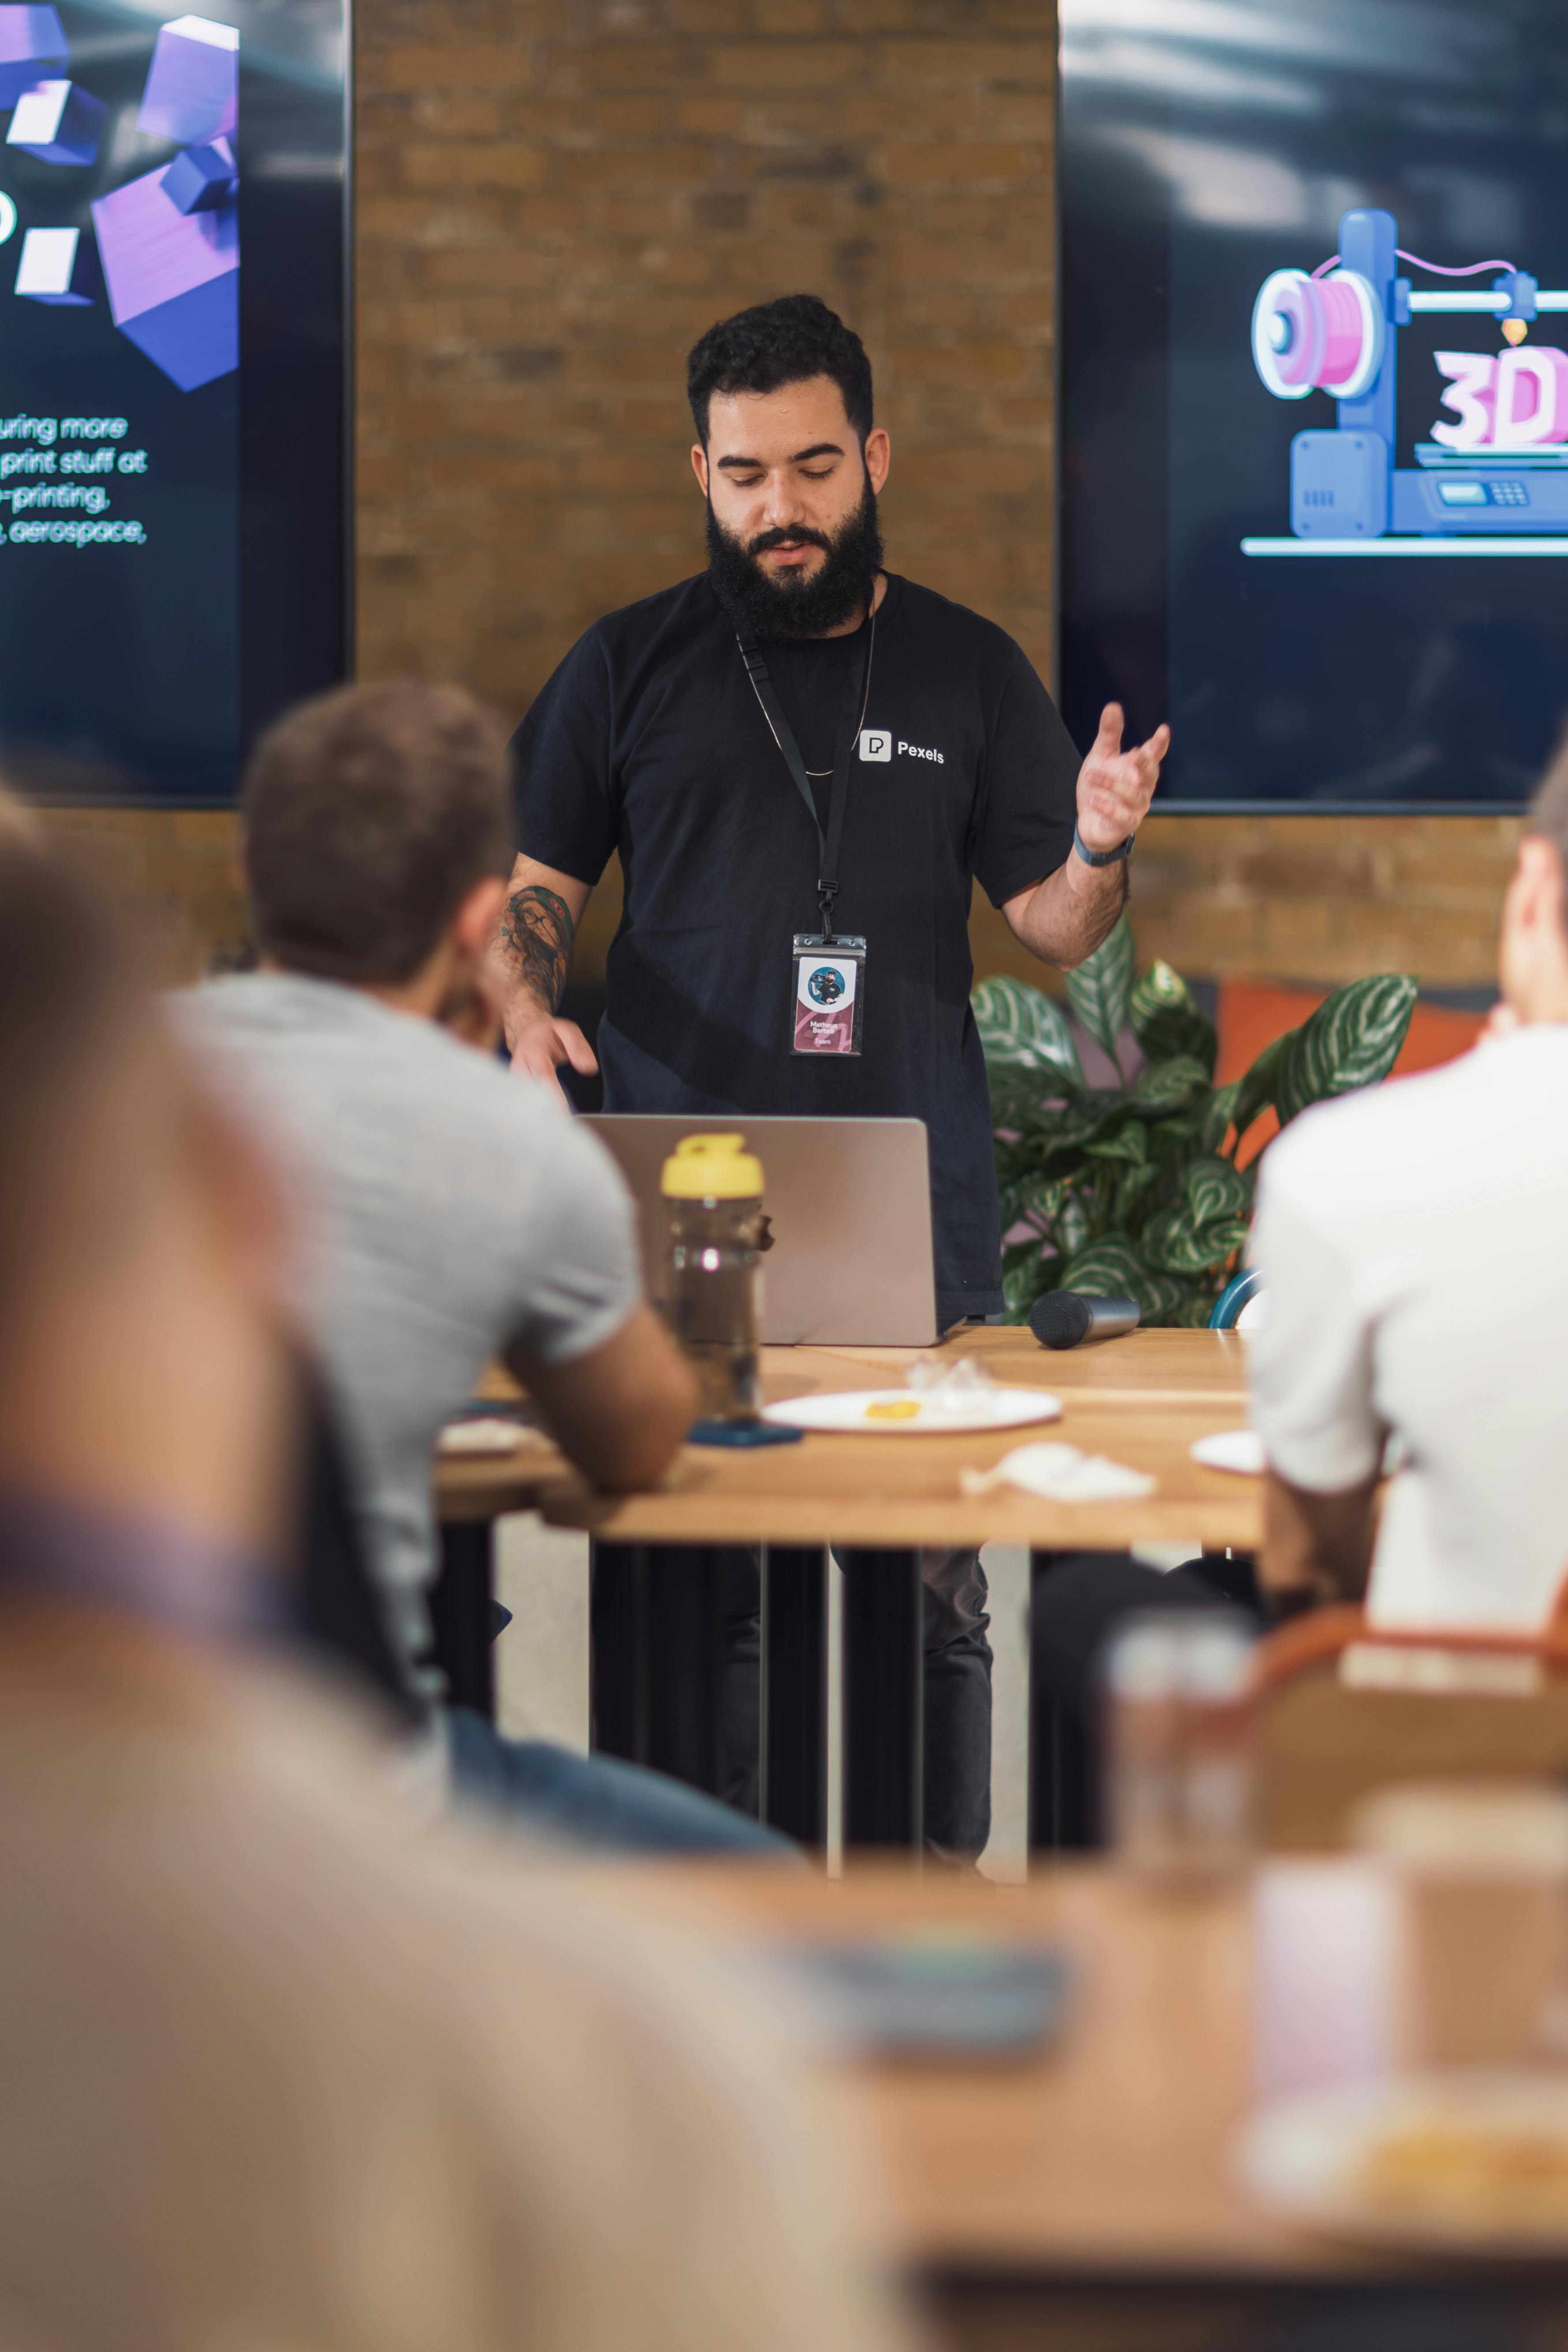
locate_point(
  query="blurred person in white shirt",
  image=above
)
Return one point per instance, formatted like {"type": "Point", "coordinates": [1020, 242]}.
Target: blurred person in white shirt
{"type": "Point", "coordinates": [1414, 1253]}
{"type": "Point", "coordinates": [1413, 1256]}
{"type": "Point", "coordinates": [275, 2072]}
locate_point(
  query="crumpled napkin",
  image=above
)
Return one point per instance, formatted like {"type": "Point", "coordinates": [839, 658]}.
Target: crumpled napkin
{"type": "Point", "coordinates": [1060, 1474]}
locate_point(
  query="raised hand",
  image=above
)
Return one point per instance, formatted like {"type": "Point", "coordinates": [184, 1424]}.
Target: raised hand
{"type": "Point", "coordinates": [1114, 786]}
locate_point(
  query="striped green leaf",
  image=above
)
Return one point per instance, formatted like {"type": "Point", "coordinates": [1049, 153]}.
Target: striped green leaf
{"type": "Point", "coordinates": [1131, 1198]}
{"type": "Point", "coordinates": [1166, 1022]}
{"type": "Point", "coordinates": [1024, 1278]}
{"type": "Point", "coordinates": [1024, 1275]}
{"type": "Point", "coordinates": [1022, 1030]}
{"type": "Point", "coordinates": [1219, 1114]}
{"type": "Point", "coordinates": [1101, 990]}
{"type": "Point", "coordinates": [1174, 1239]}
{"type": "Point", "coordinates": [1255, 1089]}
{"type": "Point", "coordinates": [1108, 1268]}
{"type": "Point", "coordinates": [1170, 1085]}
{"type": "Point", "coordinates": [1128, 1142]}
{"type": "Point", "coordinates": [1350, 1040]}
{"type": "Point", "coordinates": [1112, 1268]}
{"type": "Point", "coordinates": [1216, 1190]}
{"type": "Point", "coordinates": [1074, 1223]}
{"type": "Point", "coordinates": [1062, 1136]}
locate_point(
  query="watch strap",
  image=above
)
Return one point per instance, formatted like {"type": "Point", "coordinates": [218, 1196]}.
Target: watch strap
{"type": "Point", "coordinates": [1116, 856]}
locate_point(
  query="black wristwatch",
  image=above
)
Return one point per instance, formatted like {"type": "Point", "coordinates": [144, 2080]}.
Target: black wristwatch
{"type": "Point", "coordinates": [1116, 856]}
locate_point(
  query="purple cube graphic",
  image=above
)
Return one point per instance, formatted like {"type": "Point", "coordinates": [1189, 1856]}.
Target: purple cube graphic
{"type": "Point", "coordinates": [33, 46]}
{"type": "Point", "coordinates": [200, 179]}
{"type": "Point", "coordinates": [193, 82]}
{"type": "Point", "coordinates": [59, 122]}
{"type": "Point", "coordinates": [173, 278]}
{"type": "Point", "coordinates": [52, 267]}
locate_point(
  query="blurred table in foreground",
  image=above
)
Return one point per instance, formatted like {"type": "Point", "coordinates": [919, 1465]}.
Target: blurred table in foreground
{"type": "Point", "coordinates": [1084, 2198]}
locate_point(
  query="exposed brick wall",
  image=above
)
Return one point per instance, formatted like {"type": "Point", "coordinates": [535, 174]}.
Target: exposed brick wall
{"type": "Point", "coordinates": [173, 871]}
{"type": "Point", "coordinates": [556, 196]}
{"type": "Point", "coordinates": [1309, 897]}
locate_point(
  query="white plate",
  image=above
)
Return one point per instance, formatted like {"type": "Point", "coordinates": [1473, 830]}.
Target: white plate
{"type": "Point", "coordinates": [1300, 2158]}
{"type": "Point", "coordinates": [488, 1435]}
{"type": "Point", "coordinates": [1230, 1449]}
{"type": "Point", "coordinates": [932, 1416]}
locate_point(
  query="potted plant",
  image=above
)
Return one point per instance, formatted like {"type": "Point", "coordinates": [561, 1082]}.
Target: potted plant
{"type": "Point", "coordinates": [1135, 1191]}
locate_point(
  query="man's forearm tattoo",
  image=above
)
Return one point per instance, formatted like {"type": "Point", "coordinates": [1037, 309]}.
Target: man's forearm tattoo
{"type": "Point", "coordinates": [537, 930]}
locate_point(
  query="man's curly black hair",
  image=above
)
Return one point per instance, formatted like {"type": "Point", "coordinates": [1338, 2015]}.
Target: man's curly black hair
{"type": "Point", "coordinates": [775, 343]}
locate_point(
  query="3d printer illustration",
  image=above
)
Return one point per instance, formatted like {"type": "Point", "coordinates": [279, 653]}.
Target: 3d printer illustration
{"type": "Point", "coordinates": [1498, 466]}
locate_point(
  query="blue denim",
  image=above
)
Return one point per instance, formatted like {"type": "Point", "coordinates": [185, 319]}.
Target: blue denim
{"type": "Point", "coordinates": [594, 1801]}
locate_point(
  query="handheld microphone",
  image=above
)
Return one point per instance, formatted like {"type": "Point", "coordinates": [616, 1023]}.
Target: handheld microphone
{"type": "Point", "coordinates": [1064, 1318]}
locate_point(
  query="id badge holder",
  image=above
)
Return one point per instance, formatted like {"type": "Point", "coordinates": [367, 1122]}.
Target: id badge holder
{"type": "Point", "coordinates": [830, 991]}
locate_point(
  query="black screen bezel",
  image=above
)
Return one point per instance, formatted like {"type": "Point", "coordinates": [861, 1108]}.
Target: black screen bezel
{"type": "Point", "coordinates": [296, 428]}
{"type": "Point", "coordinates": [295, 556]}
{"type": "Point", "coordinates": [1084, 681]}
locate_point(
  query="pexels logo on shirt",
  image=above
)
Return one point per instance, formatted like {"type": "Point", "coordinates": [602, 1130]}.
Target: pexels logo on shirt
{"type": "Point", "coordinates": [876, 743]}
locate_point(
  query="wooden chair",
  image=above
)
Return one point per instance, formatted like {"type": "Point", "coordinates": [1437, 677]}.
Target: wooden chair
{"type": "Point", "coordinates": [1342, 1709]}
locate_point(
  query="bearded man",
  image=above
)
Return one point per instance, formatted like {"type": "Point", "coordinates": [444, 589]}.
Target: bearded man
{"type": "Point", "coordinates": [798, 744]}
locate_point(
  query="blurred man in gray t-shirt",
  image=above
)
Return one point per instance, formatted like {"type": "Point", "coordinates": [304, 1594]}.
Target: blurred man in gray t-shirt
{"type": "Point", "coordinates": [448, 1217]}
{"type": "Point", "coordinates": [445, 1214]}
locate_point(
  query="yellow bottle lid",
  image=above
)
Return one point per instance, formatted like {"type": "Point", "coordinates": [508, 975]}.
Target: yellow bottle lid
{"type": "Point", "coordinates": [712, 1168]}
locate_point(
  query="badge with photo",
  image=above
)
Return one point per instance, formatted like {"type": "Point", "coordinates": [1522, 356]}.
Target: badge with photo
{"type": "Point", "coordinates": [828, 992]}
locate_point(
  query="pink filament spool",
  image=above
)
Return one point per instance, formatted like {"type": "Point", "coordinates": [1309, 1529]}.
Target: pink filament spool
{"type": "Point", "coordinates": [1317, 333]}
{"type": "Point", "coordinates": [1344, 332]}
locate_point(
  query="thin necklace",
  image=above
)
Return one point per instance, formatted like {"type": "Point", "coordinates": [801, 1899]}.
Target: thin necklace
{"type": "Point", "coordinates": [865, 699]}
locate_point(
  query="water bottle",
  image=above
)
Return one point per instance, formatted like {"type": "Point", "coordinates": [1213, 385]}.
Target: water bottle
{"type": "Point", "coordinates": [712, 1189]}
{"type": "Point", "coordinates": [1178, 1688]}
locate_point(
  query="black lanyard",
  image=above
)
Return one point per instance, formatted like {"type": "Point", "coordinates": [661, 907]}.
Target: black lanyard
{"type": "Point", "coordinates": [857, 694]}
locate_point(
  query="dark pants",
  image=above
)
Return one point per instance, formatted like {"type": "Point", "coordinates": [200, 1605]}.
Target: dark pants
{"type": "Point", "coordinates": [592, 1800]}
{"type": "Point", "coordinates": [1080, 1604]}
{"type": "Point", "coordinates": [957, 1696]}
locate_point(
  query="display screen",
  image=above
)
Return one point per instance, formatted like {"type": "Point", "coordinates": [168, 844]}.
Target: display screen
{"type": "Point", "coordinates": [172, 388]}
{"type": "Point", "coordinates": [1314, 453]}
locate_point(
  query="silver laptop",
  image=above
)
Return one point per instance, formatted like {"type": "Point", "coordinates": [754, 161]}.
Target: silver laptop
{"type": "Point", "coordinates": [849, 1204]}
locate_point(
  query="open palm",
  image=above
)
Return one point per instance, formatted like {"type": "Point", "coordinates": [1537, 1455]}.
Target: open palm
{"type": "Point", "coordinates": [1114, 786]}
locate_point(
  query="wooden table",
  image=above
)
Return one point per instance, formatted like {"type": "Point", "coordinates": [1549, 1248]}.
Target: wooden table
{"type": "Point", "coordinates": [1084, 2197]}
{"type": "Point", "coordinates": [1141, 1400]}
{"type": "Point", "coordinates": [878, 1499]}
{"type": "Point", "coordinates": [887, 1490]}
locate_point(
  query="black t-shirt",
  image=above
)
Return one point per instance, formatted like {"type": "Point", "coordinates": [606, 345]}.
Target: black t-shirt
{"type": "Point", "coordinates": [649, 741]}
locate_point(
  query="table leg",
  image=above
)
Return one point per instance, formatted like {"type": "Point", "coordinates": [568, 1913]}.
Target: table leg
{"type": "Point", "coordinates": [884, 1699]}
{"type": "Point", "coordinates": [462, 1615]}
{"type": "Point", "coordinates": [1064, 1802]}
{"type": "Point", "coordinates": [656, 1620]}
{"type": "Point", "coordinates": [617, 1641]}
{"type": "Point", "coordinates": [794, 1729]}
